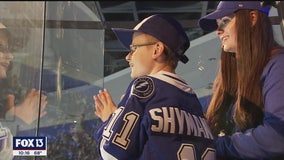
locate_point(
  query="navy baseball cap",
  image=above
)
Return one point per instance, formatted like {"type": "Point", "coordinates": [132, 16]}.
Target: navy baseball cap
{"type": "Point", "coordinates": [225, 8]}
{"type": "Point", "coordinates": [164, 28]}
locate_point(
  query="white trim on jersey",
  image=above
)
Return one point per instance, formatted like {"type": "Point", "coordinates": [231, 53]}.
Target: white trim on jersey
{"type": "Point", "coordinates": [173, 79]}
{"type": "Point", "coordinates": [104, 153]}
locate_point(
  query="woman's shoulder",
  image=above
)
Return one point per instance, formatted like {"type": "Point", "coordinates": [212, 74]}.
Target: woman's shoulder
{"type": "Point", "coordinates": [277, 52]}
{"type": "Point", "coordinates": [276, 64]}
{"type": "Point", "coordinates": [277, 56]}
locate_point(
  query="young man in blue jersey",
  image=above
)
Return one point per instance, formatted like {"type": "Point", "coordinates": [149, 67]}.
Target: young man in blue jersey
{"type": "Point", "coordinates": [247, 107]}
{"type": "Point", "coordinates": [159, 117]}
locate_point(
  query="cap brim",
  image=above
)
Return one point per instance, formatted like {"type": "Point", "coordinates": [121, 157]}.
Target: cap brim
{"type": "Point", "coordinates": [124, 36]}
{"type": "Point", "coordinates": [208, 23]}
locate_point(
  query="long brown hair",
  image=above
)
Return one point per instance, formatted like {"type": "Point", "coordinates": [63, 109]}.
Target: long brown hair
{"type": "Point", "coordinates": [238, 81]}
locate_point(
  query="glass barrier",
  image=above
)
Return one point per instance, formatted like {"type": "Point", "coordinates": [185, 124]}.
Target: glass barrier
{"type": "Point", "coordinates": [54, 49]}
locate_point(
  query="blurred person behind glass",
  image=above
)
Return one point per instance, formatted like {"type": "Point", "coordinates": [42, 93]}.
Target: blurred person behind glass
{"type": "Point", "coordinates": [24, 113]}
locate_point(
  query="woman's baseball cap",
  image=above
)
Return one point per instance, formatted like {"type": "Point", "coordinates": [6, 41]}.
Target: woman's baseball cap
{"type": "Point", "coordinates": [164, 28]}
{"type": "Point", "coordinates": [208, 23]}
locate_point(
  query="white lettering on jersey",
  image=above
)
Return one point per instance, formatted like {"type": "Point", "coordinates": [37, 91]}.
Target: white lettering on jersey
{"type": "Point", "coordinates": [167, 118]}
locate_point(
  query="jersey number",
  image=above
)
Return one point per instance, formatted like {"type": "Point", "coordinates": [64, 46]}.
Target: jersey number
{"type": "Point", "coordinates": [121, 138]}
{"type": "Point", "coordinates": [187, 151]}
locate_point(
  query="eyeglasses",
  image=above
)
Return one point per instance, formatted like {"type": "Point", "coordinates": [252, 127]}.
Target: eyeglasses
{"type": "Point", "coordinates": [133, 47]}
{"type": "Point", "coordinates": [223, 22]}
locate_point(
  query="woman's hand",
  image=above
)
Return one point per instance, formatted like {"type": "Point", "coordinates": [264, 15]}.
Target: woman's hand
{"type": "Point", "coordinates": [28, 110]}
{"type": "Point", "coordinates": [104, 105]}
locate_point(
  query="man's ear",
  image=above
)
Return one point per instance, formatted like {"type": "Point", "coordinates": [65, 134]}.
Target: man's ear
{"type": "Point", "coordinates": [159, 49]}
{"type": "Point", "coordinates": [253, 17]}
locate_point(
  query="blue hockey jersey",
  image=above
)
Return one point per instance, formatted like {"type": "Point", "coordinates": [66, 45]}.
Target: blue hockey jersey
{"type": "Point", "coordinates": [159, 118]}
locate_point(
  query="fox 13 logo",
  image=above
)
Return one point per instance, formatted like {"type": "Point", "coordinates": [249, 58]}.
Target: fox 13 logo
{"type": "Point", "coordinates": [29, 146]}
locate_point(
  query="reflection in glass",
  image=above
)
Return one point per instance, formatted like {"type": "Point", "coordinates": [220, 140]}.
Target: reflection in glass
{"type": "Point", "coordinates": [58, 50]}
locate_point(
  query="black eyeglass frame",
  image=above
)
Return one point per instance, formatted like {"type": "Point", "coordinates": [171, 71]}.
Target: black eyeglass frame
{"type": "Point", "coordinates": [133, 47]}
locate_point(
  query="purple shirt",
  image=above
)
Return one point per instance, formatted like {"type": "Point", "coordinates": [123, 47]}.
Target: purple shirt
{"type": "Point", "coordinates": [265, 141]}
